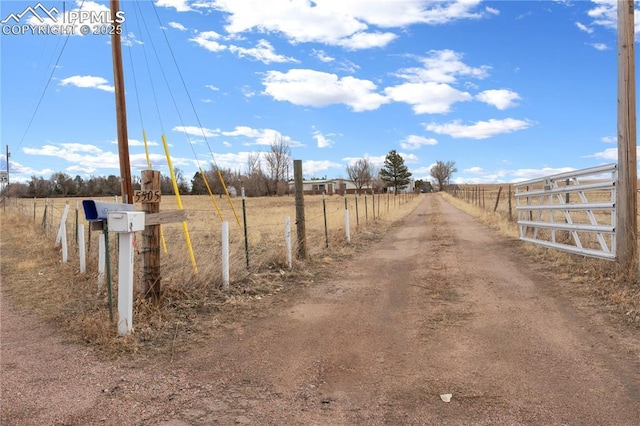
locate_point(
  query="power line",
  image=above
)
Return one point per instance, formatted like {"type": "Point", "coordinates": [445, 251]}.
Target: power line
{"type": "Point", "coordinates": [53, 70]}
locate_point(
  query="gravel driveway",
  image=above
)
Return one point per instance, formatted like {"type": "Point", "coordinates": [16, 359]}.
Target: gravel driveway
{"type": "Point", "coordinates": [440, 310]}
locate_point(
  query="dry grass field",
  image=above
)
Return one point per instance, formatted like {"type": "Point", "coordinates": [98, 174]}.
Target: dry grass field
{"type": "Point", "coordinates": [193, 302]}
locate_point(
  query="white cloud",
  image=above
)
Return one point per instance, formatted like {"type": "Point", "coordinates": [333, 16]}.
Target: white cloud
{"type": "Point", "coordinates": [377, 161]}
{"type": "Point", "coordinates": [474, 170]}
{"type": "Point", "coordinates": [610, 154]}
{"type": "Point", "coordinates": [520, 175]}
{"type": "Point", "coordinates": [427, 98]}
{"type": "Point", "coordinates": [600, 46]}
{"type": "Point", "coordinates": [178, 5]}
{"type": "Point", "coordinates": [212, 87]}
{"type": "Point", "coordinates": [248, 92]}
{"type": "Point", "coordinates": [314, 167]}
{"type": "Point", "coordinates": [245, 131]}
{"type": "Point", "coordinates": [607, 154]}
{"type": "Point", "coordinates": [231, 160]}
{"type": "Point", "coordinates": [335, 22]}
{"type": "Point", "coordinates": [79, 154]}
{"type": "Point", "coordinates": [583, 27]}
{"type": "Point", "coordinates": [610, 139]}
{"type": "Point", "coordinates": [322, 140]}
{"type": "Point", "coordinates": [348, 66]}
{"type": "Point", "coordinates": [392, 13]}
{"type": "Point", "coordinates": [442, 66]}
{"type": "Point", "coordinates": [478, 175]}
{"type": "Point", "coordinates": [297, 20]}
{"type": "Point", "coordinates": [177, 26]}
{"type": "Point", "coordinates": [322, 56]}
{"type": "Point", "coordinates": [88, 82]}
{"type": "Point", "coordinates": [422, 172]}
{"type": "Point", "coordinates": [492, 11]}
{"type": "Point", "coordinates": [263, 52]}
{"type": "Point", "coordinates": [197, 131]}
{"type": "Point", "coordinates": [130, 39]}
{"type": "Point", "coordinates": [501, 99]}
{"type": "Point", "coordinates": [364, 40]}
{"type": "Point", "coordinates": [480, 129]}
{"type": "Point", "coordinates": [137, 142]}
{"type": "Point", "coordinates": [263, 137]}
{"type": "Point", "coordinates": [604, 13]}
{"type": "Point", "coordinates": [415, 142]}
{"type": "Point", "coordinates": [208, 40]}
{"type": "Point", "coordinates": [314, 88]}
{"type": "Point", "coordinates": [409, 158]}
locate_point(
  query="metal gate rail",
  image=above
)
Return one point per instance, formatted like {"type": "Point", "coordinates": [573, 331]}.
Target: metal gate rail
{"type": "Point", "coordinates": [587, 227]}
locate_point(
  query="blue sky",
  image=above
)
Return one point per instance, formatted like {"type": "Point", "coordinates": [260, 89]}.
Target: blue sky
{"type": "Point", "coordinates": [509, 90]}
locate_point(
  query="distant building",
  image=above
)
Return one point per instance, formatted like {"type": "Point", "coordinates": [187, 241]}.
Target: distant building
{"type": "Point", "coordinates": [337, 186]}
{"type": "Point", "coordinates": [329, 186]}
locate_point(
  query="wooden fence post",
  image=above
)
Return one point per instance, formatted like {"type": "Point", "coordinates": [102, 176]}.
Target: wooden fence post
{"type": "Point", "coordinates": [509, 197]}
{"type": "Point", "coordinates": [301, 249]}
{"type": "Point", "coordinates": [497, 200]}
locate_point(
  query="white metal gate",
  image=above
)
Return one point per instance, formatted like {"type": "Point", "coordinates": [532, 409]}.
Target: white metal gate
{"type": "Point", "coordinates": [572, 211]}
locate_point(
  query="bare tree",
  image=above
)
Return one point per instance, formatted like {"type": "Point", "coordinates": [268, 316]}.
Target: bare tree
{"type": "Point", "coordinates": [255, 179]}
{"type": "Point", "coordinates": [442, 173]}
{"type": "Point", "coordinates": [360, 173]}
{"type": "Point", "coordinates": [278, 159]}
{"type": "Point", "coordinates": [181, 181]}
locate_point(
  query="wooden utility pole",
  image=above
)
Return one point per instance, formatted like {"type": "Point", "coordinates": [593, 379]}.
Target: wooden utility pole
{"type": "Point", "coordinates": [121, 108]}
{"type": "Point", "coordinates": [626, 191]}
{"type": "Point", "coordinates": [151, 239]}
{"type": "Point", "coordinates": [301, 251]}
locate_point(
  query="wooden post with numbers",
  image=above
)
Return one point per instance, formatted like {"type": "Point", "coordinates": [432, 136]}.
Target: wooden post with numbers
{"type": "Point", "coordinates": [151, 239]}
{"type": "Point", "coordinates": [626, 191]}
{"type": "Point", "coordinates": [150, 196]}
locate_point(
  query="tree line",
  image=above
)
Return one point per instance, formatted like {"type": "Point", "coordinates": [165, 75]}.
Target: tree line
{"type": "Point", "coordinates": [265, 174]}
{"type": "Point", "coordinates": [395, 175]}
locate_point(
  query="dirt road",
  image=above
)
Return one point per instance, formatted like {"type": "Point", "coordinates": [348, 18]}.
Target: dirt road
{"type": "Point", "coordinates": [440, 306]}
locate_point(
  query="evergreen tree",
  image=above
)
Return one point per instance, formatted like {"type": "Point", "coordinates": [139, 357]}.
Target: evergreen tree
{"type": "Point", "coordinates": [395, 173]}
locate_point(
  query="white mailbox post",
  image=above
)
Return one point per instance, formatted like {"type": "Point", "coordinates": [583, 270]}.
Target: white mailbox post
{"type": "Point", "coordinates": [125, 223]}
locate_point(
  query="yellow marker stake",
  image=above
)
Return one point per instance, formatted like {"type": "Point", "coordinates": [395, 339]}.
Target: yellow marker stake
{"type": "Point", "coordinates": [206, 182]}
{"type": "Point", "coordinates": [229, 198]}
{"type": "Point", "coordinates": [164, 243]}
{"type": "Point", "coordinates": [146, 149]}
{"type": "Point", "coordinates": [175, 189]}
